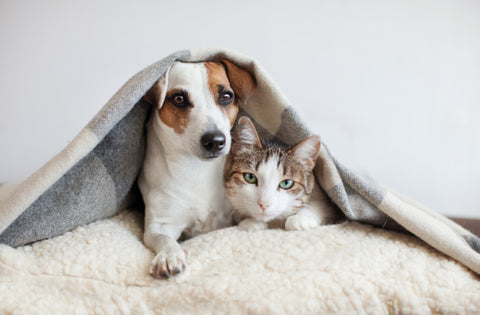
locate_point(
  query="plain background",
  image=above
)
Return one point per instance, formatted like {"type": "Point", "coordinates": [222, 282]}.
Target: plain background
{"type": "Point", "coordinates": [392, 87]}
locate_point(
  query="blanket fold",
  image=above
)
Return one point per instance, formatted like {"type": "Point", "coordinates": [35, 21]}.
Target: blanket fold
{"type": "Point", "coordinates": [91, 177]}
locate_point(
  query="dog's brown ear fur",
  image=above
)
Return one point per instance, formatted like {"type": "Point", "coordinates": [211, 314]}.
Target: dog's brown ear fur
{"type": "Point", "coordinates": [241, 80]}
{"type": "Point", "coordinates": [152, 95]}
{"type": "Point", "coordinates": [156, 95]}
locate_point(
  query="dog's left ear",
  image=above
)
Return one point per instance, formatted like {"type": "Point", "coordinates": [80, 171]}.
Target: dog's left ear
{"type": "Point", "coordinates": [242, 81]}
{"type": "Point", "coordinates": [156, 94]}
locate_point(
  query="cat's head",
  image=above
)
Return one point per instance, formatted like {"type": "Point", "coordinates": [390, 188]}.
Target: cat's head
{"type": "Point", "coordinates": [266, 180]}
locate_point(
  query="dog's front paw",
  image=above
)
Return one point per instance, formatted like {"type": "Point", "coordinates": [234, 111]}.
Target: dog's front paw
{"type": "Point", "coordinates": [252, 225]}
{"type": "Point", "coordinates": [168, 262]}
{"type": "Point", "coordinates": [300, 221]}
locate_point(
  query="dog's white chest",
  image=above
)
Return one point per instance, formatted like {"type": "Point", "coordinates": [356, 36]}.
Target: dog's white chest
{"type": "Point", "coordinates": [207, 207]}
{"type": "Point", "coordinates": [215, 215]}
{"type": "Point", "coordinates": [188, 193]}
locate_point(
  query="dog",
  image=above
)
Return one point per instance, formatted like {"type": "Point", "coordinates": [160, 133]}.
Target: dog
{"type": "Point", "coordinates": [188, 137]}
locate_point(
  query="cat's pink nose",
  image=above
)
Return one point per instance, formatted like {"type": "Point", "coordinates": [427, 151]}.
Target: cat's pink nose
{"type": "Point", "coordinates": [263, 205]}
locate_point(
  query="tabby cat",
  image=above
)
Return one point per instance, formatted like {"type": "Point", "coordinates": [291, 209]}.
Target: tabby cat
{"type": "Point", "coordinates": [271, 184]}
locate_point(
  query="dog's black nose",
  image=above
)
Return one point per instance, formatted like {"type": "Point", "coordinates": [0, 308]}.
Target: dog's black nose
{"type": "Point", "coordinates": [213, 141]}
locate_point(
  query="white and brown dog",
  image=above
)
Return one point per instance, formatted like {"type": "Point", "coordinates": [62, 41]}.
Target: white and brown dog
{"type": "Point", "coordinates": [188, 137]}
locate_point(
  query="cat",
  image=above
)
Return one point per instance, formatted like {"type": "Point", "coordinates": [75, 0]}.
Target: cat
{"type": "Point", "coordinates": [270, 184]}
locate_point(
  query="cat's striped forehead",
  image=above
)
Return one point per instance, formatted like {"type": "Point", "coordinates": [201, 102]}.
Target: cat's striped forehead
{"type": "Point", "coordinates": [251, 159]}
{"type": "Point", "coordinates": [270, 155]}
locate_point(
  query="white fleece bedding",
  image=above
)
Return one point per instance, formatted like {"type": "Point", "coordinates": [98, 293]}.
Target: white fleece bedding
{"type": "Point", "coordinates": [347, 268]}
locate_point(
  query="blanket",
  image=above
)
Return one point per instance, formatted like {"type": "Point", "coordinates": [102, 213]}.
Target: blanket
{"type": "Point", "coordinates": [349, 268]}
{"type": "Point", "coordinates": [94, 176]}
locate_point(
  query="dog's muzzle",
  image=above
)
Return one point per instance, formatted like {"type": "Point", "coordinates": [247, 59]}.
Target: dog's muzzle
{"type": "Point", "coordinates": [213, 143]}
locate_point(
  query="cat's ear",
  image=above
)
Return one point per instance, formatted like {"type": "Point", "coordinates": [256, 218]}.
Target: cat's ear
{"type": "Point", "coordinates": [245, 134]}
{"type": "Point", "coordinates": [307, 151]}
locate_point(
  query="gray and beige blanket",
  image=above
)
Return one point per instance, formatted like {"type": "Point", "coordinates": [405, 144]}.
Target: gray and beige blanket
{"type": "Point", "coordinates": [94, 176]}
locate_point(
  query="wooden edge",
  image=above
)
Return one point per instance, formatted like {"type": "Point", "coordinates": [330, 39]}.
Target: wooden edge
{"type": "Point", "coordinates": [473, 225]}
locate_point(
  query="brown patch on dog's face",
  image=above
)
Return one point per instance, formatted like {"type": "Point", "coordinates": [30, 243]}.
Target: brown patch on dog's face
{"type": "Point", "coordinates": [173, 113]}
{"type": "Point", "coordinates": [219, 85]}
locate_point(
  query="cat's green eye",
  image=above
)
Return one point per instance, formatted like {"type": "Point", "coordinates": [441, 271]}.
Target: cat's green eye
{"type": "Point", "coordinates": [286, 184]}
{"type": "Point", "coordinates": [250, 178]}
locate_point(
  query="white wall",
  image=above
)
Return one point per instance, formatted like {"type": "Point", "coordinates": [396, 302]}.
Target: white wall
{"type": "Point", "coordinates": [393, 87]}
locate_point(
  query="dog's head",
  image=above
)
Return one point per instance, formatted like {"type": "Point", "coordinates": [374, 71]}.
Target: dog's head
{"type": "Point", "coordinates": [197, 104]}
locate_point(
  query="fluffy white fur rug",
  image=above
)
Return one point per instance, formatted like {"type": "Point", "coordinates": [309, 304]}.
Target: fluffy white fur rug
{"type": "Point", "coordinates": [346, 268]}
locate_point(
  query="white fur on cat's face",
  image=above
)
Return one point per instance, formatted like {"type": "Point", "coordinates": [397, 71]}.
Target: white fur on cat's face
{"type": "Point", "coordinates": [250, 198]}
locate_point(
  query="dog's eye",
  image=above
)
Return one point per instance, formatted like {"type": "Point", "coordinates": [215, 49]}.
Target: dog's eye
{"type": "Point", "coordinates": [226, 98]}
{"type": "Point", "coordinates": [179, 99]}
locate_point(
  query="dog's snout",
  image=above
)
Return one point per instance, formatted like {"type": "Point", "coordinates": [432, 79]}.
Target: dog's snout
{"type": "Point", "coordinates": [213, 141]}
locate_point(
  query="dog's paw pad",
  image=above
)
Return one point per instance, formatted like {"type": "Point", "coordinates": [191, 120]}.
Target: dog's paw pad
{"type": "Point", "coordinates": [165, 265]}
